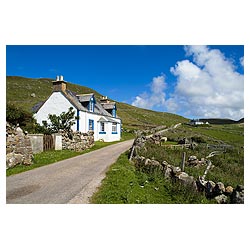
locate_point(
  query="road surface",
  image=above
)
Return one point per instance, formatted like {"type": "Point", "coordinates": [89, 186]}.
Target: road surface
{"type": "Point", "coordinates": [70, 181]}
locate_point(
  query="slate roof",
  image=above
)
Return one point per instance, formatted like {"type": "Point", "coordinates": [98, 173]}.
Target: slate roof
{"type": "Point", "coordinates": [84, 97]}
{"type": "Point", "coordinates": [109, 105]}
{"type": "Point", "coordinates": [37, 106]}
{"type": "Point", "coordinates": [79, 102]}
{"type": "Point", "coordinates": [106, 119]}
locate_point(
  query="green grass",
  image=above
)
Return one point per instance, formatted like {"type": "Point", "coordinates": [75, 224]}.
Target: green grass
{"type": "Point", "coordinates": [52, 156]}
{"type": "Point", "coordinates": [228, 167]}
{"type": "Point", "coordinates": [124, 184]}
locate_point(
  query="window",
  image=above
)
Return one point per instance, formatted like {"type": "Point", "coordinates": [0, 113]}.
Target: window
{"type": "Point", "coordinates": [102, 128]}
{"type": "Point", "coordinates": [114, 112]}
{"type": "Point", "coordinates": [91, 124]}
{"type": "Point", "coordinates": [91, 106]}
{"type": "Point", "coordinates": [114, 128]}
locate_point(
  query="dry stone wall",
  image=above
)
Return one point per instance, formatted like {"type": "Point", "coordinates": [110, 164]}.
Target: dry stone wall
{"type": "Point", "coordinates": [18, 147]}
{"type": "Point", "coordinates": [211, 189]}
{"type": "Point", "coordinates": [77, 141]}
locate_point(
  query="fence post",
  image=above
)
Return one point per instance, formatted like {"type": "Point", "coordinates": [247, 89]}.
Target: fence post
{"type": "Point", "coordinates": [183, 161]}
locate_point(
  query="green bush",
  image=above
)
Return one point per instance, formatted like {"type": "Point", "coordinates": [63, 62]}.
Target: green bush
{"type": "Point", "coordinates": [16, 115]}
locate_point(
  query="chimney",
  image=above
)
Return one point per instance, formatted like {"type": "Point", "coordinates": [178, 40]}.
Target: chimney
{"type": "Point", "coordinates": [59, 84]}
{"type": "Point", "coordinates": [104, 99]}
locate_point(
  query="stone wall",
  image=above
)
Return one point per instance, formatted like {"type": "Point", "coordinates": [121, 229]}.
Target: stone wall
{"type": "Point", "coordinates": [77, 141]}
{"type": "Point", "coordinates": [212, 190]}
{"type": "Point", "coordinates": [18, 147]}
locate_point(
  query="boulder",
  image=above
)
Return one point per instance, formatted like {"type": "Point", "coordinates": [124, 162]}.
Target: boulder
{"type": "Point", "coordinates": [168, 172]}
{"type": "Point", "coordinates": [147, 162]}
{"type": "Point", "coordinates": [164, 163]}
{"type": "Point", "coordinates": [209, 188]}
{"type": "Point", "coordinates": [176, 170]}
{"type": "Point", "coordinates": [219, 188]}
{"type": "Point", "coordinates": [192, 158]}
{"type": "Point", "coordinates": [221, 199]}
{"type": "Point", "coordinates": [13, 159]}
{"type": "Point", "coordinates": [186, 179]}
{"type": "Point", "coordinates": [238, 195]}
{"type": "Point", "coordinates": [155, 163]}
{"type": "Point", "coordinates": [229, 190]}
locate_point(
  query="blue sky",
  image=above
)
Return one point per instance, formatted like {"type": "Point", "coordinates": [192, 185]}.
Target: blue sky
{"type": "Point", "coordinates": [193, 81]}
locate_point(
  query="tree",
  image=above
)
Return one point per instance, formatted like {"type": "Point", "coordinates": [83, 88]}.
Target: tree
{"type": "Point", "coordinates": [62, 122]}
{"type": "Point", "coordinates": [16, 115]}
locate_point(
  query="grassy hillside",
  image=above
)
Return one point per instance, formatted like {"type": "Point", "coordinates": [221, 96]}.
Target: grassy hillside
{"type": "Point", "coordinates": [20, 90]}
{"type": "Point", "coordinates": [222, 121]}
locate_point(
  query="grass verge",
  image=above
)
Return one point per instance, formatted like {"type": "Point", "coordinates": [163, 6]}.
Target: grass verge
{"type": "Point", "coordinates": [124, 184]}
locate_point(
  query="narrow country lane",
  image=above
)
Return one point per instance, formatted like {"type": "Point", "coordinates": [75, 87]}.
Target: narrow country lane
{"type": "Point", "coordinates": [70, 181]}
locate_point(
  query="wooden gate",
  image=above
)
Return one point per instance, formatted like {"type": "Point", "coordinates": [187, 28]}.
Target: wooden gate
{"type": "Point", "coordinates": [48, 142]}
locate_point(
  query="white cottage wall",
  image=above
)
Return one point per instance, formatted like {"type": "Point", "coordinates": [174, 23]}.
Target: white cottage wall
{"type": "Point", "coordinates": [55, 104]}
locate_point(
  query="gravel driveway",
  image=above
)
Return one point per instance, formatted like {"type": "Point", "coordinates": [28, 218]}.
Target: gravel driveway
{"type": "Point", "coordinates": [70, 181]}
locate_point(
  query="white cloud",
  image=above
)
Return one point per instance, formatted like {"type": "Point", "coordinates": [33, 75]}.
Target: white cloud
{"type": "Point", "coordinates": [242, 61]}
{"type": "Point", "coordinates": [207, 87]}
{"type": "Point", "coordinates": [156, 97]}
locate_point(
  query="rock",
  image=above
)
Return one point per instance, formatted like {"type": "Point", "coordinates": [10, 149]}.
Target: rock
{"type": "Point", "coordinates": [239, 188]}
{"type": "Point", "coordinates": [238, 195]}
{"type": "Point", "coordinates": [229, 190]}
{"type": "Point", "coordinates": [221, 199]}
{"type": "Point", "coordinates": [168, 172]}
{"type": "Point", "coordinates": [19, 131]}
{"type": "Point", "coordinates": [192, 158]}
{"type": "Point", "coordinates": [186, 179]}
{"type": "Point", "coordinates": [176, 170]}
{"type": "Point", "coordinates": [147, 162]}
{"type": "Point", "coordinates": [209, 188]}
{"type": "Point", "coordinates": [155, 163]}
{"type": "Point", "coordinates": [182, 175]}
{"type": "Point", "coordinates": [33, 95]}
{"type": "Point", "coordinates": [219, 188]}
{"type": "Point", "coordinates": [200, 183]}
{"type": "Point", "coordinates": [13, 159]}
{"type": "Point", "coordinates": [164, 163]}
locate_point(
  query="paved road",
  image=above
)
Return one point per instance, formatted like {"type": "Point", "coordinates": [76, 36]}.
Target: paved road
{"type": "Point", "coordinates": [70, 181]}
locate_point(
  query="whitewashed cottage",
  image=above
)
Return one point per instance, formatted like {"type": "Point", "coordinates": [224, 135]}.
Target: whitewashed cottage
{"type": "Point", "coordinates": [97, 116]}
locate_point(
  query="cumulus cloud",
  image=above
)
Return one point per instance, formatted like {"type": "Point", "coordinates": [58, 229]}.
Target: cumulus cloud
{"type": "Point", "coordinates": [156, 97]}
{"type": "Point", "coordinates": [242, 61]}
{"type": "Point", "coordinates": [207, 86]}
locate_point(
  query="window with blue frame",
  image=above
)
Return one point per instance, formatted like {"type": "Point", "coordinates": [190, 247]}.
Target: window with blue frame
{"type": "Point", "coordinates": [114, 128]}
{"type": "Point", "coordinates": [102, 128]}
{"type": "Point", "coordinates": [91, 124]}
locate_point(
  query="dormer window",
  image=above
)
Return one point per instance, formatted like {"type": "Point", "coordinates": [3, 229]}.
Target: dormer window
{"type": "Point", "coordinates": [114, 112]}
{"type": "Point", "coordinates": [91, 104]}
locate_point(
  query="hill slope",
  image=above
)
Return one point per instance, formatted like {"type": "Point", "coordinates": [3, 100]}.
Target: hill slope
{"type": "Point", "coordinates": [26, 92]}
